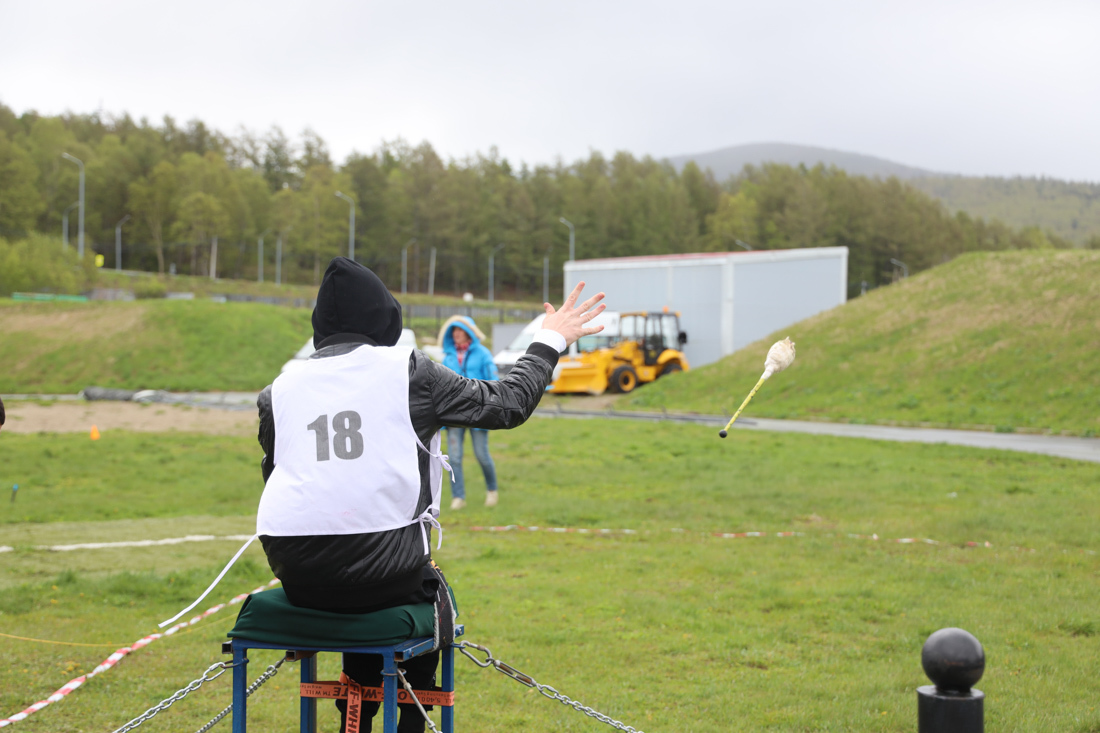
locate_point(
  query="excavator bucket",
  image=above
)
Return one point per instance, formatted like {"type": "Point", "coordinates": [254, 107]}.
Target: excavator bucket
{"type": "Point", "coordinates": [587, 375]}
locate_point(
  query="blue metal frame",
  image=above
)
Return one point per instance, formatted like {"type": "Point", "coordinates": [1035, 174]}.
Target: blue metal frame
{"type": "Point", "coordinates": [308, 705]}
{"type": "Point", "coordinates": [391, 655]}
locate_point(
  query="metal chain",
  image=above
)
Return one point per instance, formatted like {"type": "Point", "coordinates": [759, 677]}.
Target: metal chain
{"type": "Point", "coordinates": [272, 670]}
{"type": "Point", "coordinates": [179, 695]}
{"type": "Point", "coordinates": [196, 684]}
{"type": "Point", "coordinates": [412, 694]}
{"type": "Point", "coordinates": [546, 690]}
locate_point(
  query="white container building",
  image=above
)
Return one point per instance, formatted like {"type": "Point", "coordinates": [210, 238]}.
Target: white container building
{"type": "Point", "coordinates": [726, 300]}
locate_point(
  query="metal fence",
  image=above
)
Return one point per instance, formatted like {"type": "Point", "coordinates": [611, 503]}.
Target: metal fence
{"type": "Point", "coordinates": [439, 313]}
{"type": "Point", "coordinates": [442, 312]}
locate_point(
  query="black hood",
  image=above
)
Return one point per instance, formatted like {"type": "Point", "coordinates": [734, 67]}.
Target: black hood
{"type": "Point", "coordinates": [352, 300]}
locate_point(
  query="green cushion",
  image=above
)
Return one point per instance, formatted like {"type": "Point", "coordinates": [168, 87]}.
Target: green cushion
{"type": "Point", "coordinates": [269, 617]}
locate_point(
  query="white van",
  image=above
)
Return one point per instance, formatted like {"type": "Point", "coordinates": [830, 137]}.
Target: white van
{"type": "Point", "coordinates": [507, 358]}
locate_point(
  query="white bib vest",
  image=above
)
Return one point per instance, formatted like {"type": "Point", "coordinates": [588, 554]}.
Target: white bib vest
{"type": "Point", "coordinates": [345, 449]}
{"type": "Point", "coordinates": [345, 453]}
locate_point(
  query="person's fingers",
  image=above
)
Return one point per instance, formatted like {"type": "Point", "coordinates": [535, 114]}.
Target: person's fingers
{"type": "Point", "coordinates": [592, 301]}
{"type": "Point", "coordinates": [548, 308]}
{"type": "Point", "coordinates": [594, 312]}
{"type": "Point", "coordinates": [589, 330]}
{"type": "Point", "coordinates": [575, 294]}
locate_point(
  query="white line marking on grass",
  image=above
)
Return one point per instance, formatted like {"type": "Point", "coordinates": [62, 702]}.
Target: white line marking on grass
{"type": "Point", "coordinates": [136, 543]}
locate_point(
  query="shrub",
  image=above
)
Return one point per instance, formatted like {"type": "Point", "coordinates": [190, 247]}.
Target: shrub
{"type": "Point", "coordinates": [149, 287]}
{"type": "Point", "coordinates": [37, 264]}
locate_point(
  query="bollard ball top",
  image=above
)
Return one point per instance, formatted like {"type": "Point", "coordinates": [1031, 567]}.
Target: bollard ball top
{"type": "Point", "coordinates": [953, 659]}
{"type": "Point", "coordinates": [722, 433]}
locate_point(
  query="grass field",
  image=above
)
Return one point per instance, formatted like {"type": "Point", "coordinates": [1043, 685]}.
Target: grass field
{"type": "Point", "coordinates": [666, 630]}
{"type": "Point", "coordinates": [1004, 341]}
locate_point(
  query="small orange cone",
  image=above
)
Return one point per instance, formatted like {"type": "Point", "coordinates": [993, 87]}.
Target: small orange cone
{"type": "Point", "coordinates": [95, 433]}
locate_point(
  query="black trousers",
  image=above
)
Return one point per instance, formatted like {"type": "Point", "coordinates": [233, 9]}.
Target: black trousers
{"type": "Point", "coordinates": [366, 669]}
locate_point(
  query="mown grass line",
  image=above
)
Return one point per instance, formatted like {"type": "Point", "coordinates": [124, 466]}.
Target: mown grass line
{"type": "Point", "coordinates": [998, 341]}
{"type": "Point", "coordinates": [666, 631]}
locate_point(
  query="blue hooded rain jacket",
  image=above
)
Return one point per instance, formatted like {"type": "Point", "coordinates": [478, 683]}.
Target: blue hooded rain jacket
{"type": "Point", "coordinates": [479, 360]}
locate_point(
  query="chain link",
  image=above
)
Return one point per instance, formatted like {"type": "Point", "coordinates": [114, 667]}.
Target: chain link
{"type": "Point", "coordinates": [528, 681]}
{"type": "Point", "coordinates": [179, 695]}
{"type": "Point", "coordinates": [272, 670]}
{"type": "Point", "coordinates": [196, 684]}
{"type": "Point", "coordinates": [463, 646]}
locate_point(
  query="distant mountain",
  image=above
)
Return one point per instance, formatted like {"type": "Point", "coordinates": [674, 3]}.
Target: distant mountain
{"type": "Point", "coordinates": [1070, 210]}
{"type": "Point", "coordinates": [730, 161]}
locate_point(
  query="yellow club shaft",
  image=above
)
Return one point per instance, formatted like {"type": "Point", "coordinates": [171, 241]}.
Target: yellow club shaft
{"type": "Point", "coordinates": [742, 407]}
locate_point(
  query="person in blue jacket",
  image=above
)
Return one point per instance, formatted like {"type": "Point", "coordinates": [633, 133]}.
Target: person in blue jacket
{"type": "Point", "coordinates": [465, 354]}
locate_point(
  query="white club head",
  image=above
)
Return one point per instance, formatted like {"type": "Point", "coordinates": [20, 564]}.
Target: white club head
{"type": "Point", "coordinates": [780, 356]}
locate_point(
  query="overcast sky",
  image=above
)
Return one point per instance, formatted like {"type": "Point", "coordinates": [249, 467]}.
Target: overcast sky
{"type": "Point", "coordinates": [974, 87]}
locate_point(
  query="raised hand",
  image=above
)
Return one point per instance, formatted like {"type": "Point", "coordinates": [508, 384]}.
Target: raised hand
{"type": "Point", "coordinates": [570, 319]}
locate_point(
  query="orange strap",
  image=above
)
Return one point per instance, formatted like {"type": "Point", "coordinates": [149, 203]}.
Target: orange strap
{"type": "Point", "coordinates": [338, 690]}
{"type": "Point", "coordinates": [355, 706]}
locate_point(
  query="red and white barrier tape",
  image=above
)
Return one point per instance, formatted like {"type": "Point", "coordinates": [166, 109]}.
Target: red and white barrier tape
{"type": "Point", "coordinates": [115, 658]}
{"type": "Point", "coordinates": [735, 535]}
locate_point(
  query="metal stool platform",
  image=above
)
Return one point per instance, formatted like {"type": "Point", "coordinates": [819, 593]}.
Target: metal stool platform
{"type": "Point", "coordinates": [391, 655]}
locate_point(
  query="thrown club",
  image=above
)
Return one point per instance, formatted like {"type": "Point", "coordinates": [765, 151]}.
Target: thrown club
{"type": "Point", "coordinates": [780, 356]}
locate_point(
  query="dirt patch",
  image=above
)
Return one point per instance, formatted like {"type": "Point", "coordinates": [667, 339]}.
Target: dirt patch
{"type": "Point", "coordinates": [76, 324]}
{"type": "Point", "coordinates": [79, 417]}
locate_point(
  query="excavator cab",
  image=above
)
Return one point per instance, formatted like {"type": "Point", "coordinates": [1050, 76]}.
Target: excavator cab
{"type": "Point", "coordinates": [655, 334]}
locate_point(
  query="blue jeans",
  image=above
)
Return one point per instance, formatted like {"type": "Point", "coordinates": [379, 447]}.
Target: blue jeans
{"type": "Point", "coordinates": [480, 439]}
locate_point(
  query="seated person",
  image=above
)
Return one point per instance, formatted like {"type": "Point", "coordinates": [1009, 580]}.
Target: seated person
{"type": "Point", "coordinates": [352, 465]}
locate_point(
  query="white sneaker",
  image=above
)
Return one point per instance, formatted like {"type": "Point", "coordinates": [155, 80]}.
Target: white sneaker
{"type": "Point", "coordinates": [490, 498]}
{"type": "Point", "coordinates": [458, 503]}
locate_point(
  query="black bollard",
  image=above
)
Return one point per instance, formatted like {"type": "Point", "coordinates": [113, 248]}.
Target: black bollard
{"type": "Point", "coordinates": [954, 660]}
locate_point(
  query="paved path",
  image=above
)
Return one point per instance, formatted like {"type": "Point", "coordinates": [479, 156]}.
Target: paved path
{"type": "Point", "coordinates": [1081, 449]}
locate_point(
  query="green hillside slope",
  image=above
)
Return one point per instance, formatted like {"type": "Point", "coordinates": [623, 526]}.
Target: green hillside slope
{"type": "Point", "coordinates": [173, 345]}
{"type": "Point", "coordinates": [1007, 341]}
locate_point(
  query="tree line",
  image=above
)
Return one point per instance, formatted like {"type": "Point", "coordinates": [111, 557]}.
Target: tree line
{"type": "Point", "coordinates": [194, 193]}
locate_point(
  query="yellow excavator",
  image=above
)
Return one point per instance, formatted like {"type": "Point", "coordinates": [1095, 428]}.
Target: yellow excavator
{"type": "Point", "coordinates": [647, 346]}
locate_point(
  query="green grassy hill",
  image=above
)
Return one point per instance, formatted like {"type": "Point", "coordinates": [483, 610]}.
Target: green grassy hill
{"type": "Point", "coordinates": [1006, 341]}
{"type": "Point", "coordinates": [180, 346]}
{"type": "Point", "coordinates": [175, 345]}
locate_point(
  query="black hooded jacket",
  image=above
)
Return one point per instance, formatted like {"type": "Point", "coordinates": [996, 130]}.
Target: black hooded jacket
{"type": "Point", "coordinates": [366, 572]}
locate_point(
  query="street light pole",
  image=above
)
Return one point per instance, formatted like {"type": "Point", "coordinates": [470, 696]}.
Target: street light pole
{"type": "Point", "coordinates": [431, 273]}
{"type": "Point", "coordinates": [492, 256]}
{"type": "Point", "coordinates": [80, 225]}
{"type": "Point", "coordinates": [351, 225]}
{"type": "Point", "coordinates": [572, 234]}
{"type": "Point", "coordinates": [279, 256]}
{"type": "Point", "coordinates": [405, 265]}
{"type": "Point", "coordinates": [118, 242]}
{"type": "Point", "coordinates": [65, 225]}
{"type": "Point", "coordinates": [546, 277]}
{"type": "Point", "coordinates": [260, 257]}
